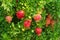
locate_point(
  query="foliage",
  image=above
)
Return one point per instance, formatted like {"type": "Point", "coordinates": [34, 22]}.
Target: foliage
{"type": "Point", "coordinates": [16, 31]}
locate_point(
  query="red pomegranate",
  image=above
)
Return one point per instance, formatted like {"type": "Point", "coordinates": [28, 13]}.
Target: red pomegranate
{"type": "Point", "coordinates": [47, 21]}
{"type": "Point", "coordinates": [37, 17]}
{"type": "Point", "coordinates": [52, 22]}
{"type": "Point", "coordinates": [20, 14]}
{"type": "Point", "coordinates": [38, 31]}
{"type": "Point", "coordinates": [27, 23]}
{"type": "Point", "coordinates": [8, 19]}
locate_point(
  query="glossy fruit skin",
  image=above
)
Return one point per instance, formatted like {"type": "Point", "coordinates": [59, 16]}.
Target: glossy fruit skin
{"type": "Point", "coordinates": [8, 19]}
{"type": "Point", "coordinates": [20, 14]}
{"type": "Point", "coordinates": [37, 17]}
{"type": "Point", "coordinates": [38, 31]}
{"type": "Point", "coordinates": [27, 23]}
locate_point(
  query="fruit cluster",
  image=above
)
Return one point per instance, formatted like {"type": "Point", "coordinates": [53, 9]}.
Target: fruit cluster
{"type": "Point", "coordinates": [27, 23]}
{"type": "Point", "coordinates": [29, 20]}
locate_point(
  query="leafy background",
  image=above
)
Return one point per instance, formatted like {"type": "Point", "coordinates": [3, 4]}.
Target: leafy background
{"type": "Point", "coordinates": [14, 30]}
